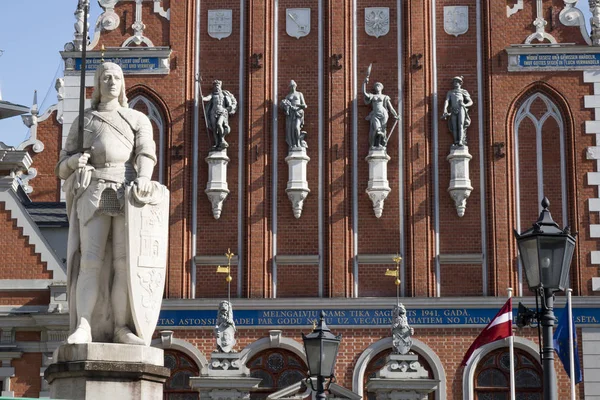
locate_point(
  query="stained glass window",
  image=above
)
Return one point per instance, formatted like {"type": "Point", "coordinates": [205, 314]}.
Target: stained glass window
{"type": "Point", "coordinates": [177, 387]}
{"type": "Point", "coordinates": [278, 369]}
{"type": "Point", "coordinates": [492, 377]}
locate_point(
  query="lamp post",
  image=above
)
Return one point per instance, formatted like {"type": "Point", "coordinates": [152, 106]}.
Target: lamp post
{"type": "Point", "coordinates": [321, 348]}
{"type": "Point", "coordinates": [546, 253]}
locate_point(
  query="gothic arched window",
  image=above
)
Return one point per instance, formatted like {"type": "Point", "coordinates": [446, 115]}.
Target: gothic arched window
{"type": "Point", "coordinates": [278, 369]}
{"type": "Point", "coordinates": [177, 387]}
{"type": "Point", "coordinates": [142, 104]}
{"type": "Point", "coordinates": [540, 163]}
{"type": "Point", "coordinates": [492, 376]}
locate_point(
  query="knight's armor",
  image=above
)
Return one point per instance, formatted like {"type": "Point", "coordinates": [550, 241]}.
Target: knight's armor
{"type": "Point", "coordinates": [114, 140]}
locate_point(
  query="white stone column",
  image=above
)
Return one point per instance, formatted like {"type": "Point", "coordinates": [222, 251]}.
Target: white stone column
{"type": "Point", "coordinates": [460, 184]}
{"type": "Point", "coordinates": [216, 187]}
{"type": "Point", "coordinates": [378, 187]}
{"type": "Point", "coordinates": [297, 187]}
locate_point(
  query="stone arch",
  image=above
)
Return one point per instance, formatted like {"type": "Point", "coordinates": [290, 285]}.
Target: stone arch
{"type": "Point", "coordinates": [275, 340]}
{"type": "Point", "coordinates": [469, 372]}
{"type": "Point", "coordinates": [185, 347]}
{"type": "Point", "coordinates": [158, 116]}
{"type": "Point", "coordinates": [427, 352]}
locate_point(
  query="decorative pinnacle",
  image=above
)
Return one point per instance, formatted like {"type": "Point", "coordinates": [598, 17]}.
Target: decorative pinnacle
{"type": "Point", "coordinates": [545, 203]}
{"type": "Point", "coordinates": [102, 54]}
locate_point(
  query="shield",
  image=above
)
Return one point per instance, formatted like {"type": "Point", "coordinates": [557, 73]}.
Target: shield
{"type": "Point", "coordinates": [297, 22]}
{"type": "Point", "coordinates": [456, 20]}
{"type": "Point", "coordinates": [377, 21]}
{"type": "Point", "coordinates": [226, 338]}
{"type": "Point", "coordinates": [220, 23]}
{"type": "Point", "coordinates": [147, 226]}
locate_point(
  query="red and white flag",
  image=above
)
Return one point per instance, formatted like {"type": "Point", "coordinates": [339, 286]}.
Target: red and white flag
{"type": "Point", "coordinates": [500, 327]}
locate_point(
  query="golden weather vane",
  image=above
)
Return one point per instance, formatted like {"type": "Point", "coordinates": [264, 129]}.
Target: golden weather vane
{"type": "Point", "coordinates": [396, 274]}
{"type": "Point", "coordinates": [227, 270]}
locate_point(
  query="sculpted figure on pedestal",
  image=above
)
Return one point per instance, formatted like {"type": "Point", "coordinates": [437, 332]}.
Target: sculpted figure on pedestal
{"type": "Point", "coordinates": [378, 117]}
{"type": "Point", "coordinates": [401, 331]}
{"type": "Point", "coordinates": [221, 104]}
{"type": "Point", "coordinates": [225, 328]}
{"type": "Point", "coordinates": [294, 106]}
{"type": "Point", "coordinates": [107, 170]}
{"type": "Point", "coordinates": [456, 111]}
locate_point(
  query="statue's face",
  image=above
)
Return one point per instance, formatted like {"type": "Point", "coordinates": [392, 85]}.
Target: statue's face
{"type": "Point", "coordinates": [111, 84]}
{"type": "Point", "coordinates": [378, 87]}
{"type": "Point", "coordinates": [456, 83]}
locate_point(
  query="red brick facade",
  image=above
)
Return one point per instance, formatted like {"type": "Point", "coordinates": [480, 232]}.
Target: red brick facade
{"type": "Point", "coordinates": [432, 230]}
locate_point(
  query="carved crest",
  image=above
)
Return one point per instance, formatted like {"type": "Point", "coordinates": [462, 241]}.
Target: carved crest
{"type": "Point", "coordinates": [297, 22]}
{"type": "Point", "coordinates": [147, 242]}
{"type": "Point", "coordinates": [377, 21]}
{"type": "Point", "coordinates": [220, 23]}
{"type": "Point", "coordinates": [456, 20]}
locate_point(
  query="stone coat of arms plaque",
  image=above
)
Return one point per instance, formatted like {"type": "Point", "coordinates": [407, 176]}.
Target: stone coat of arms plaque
{"type": "Point", "coordinates": [297, 22]}
{"type": "Point", "coordinates": [219, 23]}
{"type": "Point", "coordinates": [456, 20]}
{"type": "Point", "coordinates": [377, 21]}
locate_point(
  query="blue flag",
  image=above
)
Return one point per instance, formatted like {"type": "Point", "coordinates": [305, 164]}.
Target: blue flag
{"type": "Point", "coordinates": [561, 344]}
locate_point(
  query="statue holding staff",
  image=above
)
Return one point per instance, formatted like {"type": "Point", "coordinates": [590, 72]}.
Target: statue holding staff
{"type": "Point", "coordinates": [221, 104]}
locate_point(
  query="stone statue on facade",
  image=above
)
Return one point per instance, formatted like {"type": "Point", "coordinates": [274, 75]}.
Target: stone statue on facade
{"type": "Point", "coordinates": [378, 117]}
{"type": "Point", "coordinates": [456, 111]}
{"type": "Point", "coordinates": [225, 328]}
{"type": "Point", "coordinates": [401, 331]}
{"type": "Point", "coordinates": [118, 219]}
{"type": "Point", "coordinates": [294, 106]}
{"type": "Point", "coordinates": [220, 105]}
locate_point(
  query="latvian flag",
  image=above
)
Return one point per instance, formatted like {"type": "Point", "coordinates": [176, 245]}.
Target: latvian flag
{"type": "Point", "coordinates": [500, 327]}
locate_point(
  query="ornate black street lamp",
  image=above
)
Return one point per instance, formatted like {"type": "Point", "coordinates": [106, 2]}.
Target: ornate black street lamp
{"type": "Point", "coordinates": [546, 253]}
{"type": "Point", "coordinates": [321, 348]}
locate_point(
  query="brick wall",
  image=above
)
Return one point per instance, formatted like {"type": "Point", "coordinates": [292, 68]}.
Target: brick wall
{"type": "Point", "coordinates": [20, 261]}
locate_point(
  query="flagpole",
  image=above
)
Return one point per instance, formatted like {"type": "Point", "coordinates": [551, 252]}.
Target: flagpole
{"type": "Point", "coordinates": [511, 346]}
{"type": "Point", "coordinates": [571, 345]}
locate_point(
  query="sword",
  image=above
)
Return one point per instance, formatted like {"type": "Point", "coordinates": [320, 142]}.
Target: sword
{"type": "Point", "coordinates": [391, 131]}
{"type": "Point", "coordinates": [203, 109]}
{"type": "Point", "coordinates": [86, 9]}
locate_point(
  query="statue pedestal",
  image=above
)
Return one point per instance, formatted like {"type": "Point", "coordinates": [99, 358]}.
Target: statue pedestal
{"type": "Point", "coordinates": [402, 378]}
{"type": "Point", "coordinates": [216, 187]}
{"type": "Point", "coordinates": [224, 379]}
{"type": "Point", "coordinates": [297, 187]}
{"type": "Point", "coordinates": [107, 371]}
{"type": "Point", "coordinates": [378, 187]}
{"type": "Point", "coordinates": [460, 184]}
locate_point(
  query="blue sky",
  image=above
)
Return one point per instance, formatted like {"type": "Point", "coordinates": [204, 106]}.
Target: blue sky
{"type": "Point", "coordinates": [32, 32]}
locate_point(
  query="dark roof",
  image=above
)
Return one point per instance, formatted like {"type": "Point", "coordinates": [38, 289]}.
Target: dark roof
{"type": "Point", "coordinates": [8, 109]}
{"type": "Point", "coordinates": [47, 213]}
